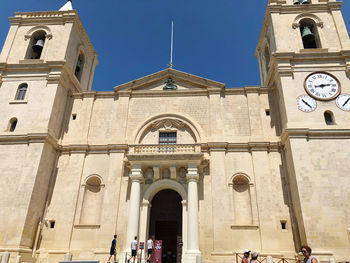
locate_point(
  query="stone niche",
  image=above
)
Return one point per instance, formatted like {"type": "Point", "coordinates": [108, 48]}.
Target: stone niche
{"type": "Point", "coordinates": [184, 135]}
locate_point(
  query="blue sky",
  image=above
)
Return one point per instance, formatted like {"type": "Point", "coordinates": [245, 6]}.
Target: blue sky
{"type": "Point", "coordinates": [212, 39]}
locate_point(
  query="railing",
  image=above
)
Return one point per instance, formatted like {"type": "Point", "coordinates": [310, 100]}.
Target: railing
{"type": "Point", "coordinates": [164, 148]}
{"type": "Point", "coordinates": [266, 259]}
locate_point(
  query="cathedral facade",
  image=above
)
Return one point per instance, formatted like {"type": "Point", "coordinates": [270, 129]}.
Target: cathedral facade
{"type": "Point", "coordinates": [207, 169]}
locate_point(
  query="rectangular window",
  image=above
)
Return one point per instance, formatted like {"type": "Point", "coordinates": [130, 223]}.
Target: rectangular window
{"type": "Point", "coordinates": [167, 138]}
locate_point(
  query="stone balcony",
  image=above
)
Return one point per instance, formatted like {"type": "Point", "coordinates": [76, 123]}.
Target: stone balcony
{"type": "Point", "coordinates": [149, 152]}
{"type": "Point", "coordinates": [164, 148]}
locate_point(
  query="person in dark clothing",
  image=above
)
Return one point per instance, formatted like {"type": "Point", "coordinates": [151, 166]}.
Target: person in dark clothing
{"type": "Point", "coordinates": [113, 250]}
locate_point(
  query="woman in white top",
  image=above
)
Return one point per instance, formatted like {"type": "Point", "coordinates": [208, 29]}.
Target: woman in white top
{"type": "Point", "coordinates": [149, 249]}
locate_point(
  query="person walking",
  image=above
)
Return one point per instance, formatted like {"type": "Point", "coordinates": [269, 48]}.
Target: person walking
{"type": "Point", "coordinates": [133, 249]}
{"type": "Point", "coordinates": [306, 250]}
{"type": "Point", "coordinates": [150, 247]}
{"type": "Point", "coordinates": [245, 258]}
{"type": "Point", "coordinates": [254, 257]}
{"type": "Point", "coordinates": [113, 250]}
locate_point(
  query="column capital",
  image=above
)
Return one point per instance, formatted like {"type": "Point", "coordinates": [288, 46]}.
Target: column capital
{"type": "Point", "coordinates": [192, 173]}
{"type": "Point", "coordinates": [192, 177]}
{"type": "Point", "coordinates": [146, 203]}
{"type": "Point", "coordinates": [136, 173]}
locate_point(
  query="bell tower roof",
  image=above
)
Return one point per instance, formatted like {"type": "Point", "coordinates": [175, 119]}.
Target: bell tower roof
{"type": "Point", "coordinates": [67, 7]}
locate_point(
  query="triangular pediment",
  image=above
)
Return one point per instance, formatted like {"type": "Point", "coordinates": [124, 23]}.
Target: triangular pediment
{"type": "Point", "coordinates": [183, 82]}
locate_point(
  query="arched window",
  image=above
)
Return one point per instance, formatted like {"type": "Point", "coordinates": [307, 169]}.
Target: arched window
{"type": "Point", "coordinates": [21, 92]}
{"type": "Point", "coordinates": [329, 118]}
{"type": "Point", "coordinates": [242, 200]}
{"type": "Point", "coordinates": [91, 206]}
{"type": "Point", "coordinates": [12, 124]}
{"type": "Point", "coordinates": [309, 34]}
{"type": "Point", "coordinates": [36, 45]}
{"type": "Point", "coordinates": [79, 66]}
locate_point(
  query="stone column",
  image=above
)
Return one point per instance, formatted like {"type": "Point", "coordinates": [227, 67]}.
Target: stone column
{"type": "Point", "coordinates": [134, 206]}
{"type": "Point", "coordinates": [184, 226]}
{"type": "Point", "coordinates": [5, 257]}
{"type": "Point", "coordinates": [193, 253]}
{"type": "Point", "coordinates": [144, 222]}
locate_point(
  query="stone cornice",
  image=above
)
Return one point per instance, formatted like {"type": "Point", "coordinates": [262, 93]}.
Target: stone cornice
{"type": "Point", "coordinates": [168, 93]}
{"type": "Point", "coordinates": [28, 138]}
{"type": "Point", "coordinates": [267, 146]}
{"type": "Point", "coordinates": [312, 8]}
{"type": "Point", "coordinates": [89, 149]}
{"type": "Point", "coordinates": [160, 93]}
{"type": "Point", "coordinates": [285, 64]}
{"type": "Point", "coordinates": [309, 134]}
{"type": "Point", "coordinates": [245, 146]}
{"type": "Point", "coordinates": [178, 76]}
{"type": "Point", "coordinates": [55, 72]}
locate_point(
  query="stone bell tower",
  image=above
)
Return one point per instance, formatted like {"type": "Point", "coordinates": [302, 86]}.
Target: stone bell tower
{"type": "Point", "coordinates": [46, 56]}
{"type": "Point", "coordinates": [303, 53]}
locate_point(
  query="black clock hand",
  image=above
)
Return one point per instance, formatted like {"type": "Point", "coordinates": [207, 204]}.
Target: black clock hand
{"type": "Point", "coordinates": [322, 85]}
{"type": "Point", "coordinates": [346, 102]}
{"type": "Point", "coordinates": [309, 104]}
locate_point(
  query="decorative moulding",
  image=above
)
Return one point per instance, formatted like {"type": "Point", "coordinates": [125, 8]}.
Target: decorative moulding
{"type": "Point", "coordinates": [168, 124]}
{"type": "Point", "coordinates": [58, 252]}
{"type": "Point", "coordinates": [80, 226]}
{"type": "Point", "coordinates": [18, 102]}
{"type": "Point", "coordinates": [47, 30]}
{"type": "Point", "coordinates": [244, 227]}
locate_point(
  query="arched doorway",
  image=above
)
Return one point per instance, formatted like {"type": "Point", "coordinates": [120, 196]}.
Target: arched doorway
{"type": "Point", "coordinates": [166, 223]}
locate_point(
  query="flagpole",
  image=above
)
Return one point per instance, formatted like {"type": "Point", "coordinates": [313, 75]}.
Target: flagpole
{"type": "Point", "coordinates": [172, 40]}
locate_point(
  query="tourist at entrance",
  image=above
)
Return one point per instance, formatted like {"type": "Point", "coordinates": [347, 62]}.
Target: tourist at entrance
{"type": "Point", "coordinates": [254, 257]}
{"type": "Point", "coordinates": [246, 253]}
{"type": "Point", "coordinates": [133, 249]}
{"type": "Point", "coordinates": [306, 250]}
{"type": "Point", "coordinates": [150, 247]}
{"type": "Point", "coordinates": [113, 250]}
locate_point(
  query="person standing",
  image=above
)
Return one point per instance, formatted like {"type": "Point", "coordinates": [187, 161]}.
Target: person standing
{"type": "Point", "coordinates": [133, 249]}
{"type": "Point", "coordinates": [150, 247]}
{"type": "Point", "coordinates": [306, 250]}
{"type": "Point", "coordinates": [245, 256]}
{"type": "Point", "coordinates": [254, 257]}
{"type": "Point", "coordinates": [113, 250]}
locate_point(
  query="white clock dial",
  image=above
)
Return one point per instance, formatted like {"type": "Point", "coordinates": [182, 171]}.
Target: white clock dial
{"type": "Point", "coordinates": [322, 86]}
{"type": "Point", "coordinates": [343, 102]}
{"type": "Point", "coordinates": [306, 103]}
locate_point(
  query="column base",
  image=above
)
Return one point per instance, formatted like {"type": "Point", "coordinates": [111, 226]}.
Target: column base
{"type": "Point", "coordinates": [124, 256]}
{"type": "Point", "coordinates": [192, 257]}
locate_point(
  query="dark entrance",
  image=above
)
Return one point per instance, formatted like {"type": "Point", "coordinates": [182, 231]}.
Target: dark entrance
{"type": "Point", "coordinates": [166, 224]}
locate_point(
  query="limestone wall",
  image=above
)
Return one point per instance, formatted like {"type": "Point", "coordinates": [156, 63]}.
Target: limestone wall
{"type": "Point", "coordinates": [321, 179]}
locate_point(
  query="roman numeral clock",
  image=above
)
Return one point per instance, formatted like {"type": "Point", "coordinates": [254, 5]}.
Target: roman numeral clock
{"type": "Point", "coordinates": [322, 86]}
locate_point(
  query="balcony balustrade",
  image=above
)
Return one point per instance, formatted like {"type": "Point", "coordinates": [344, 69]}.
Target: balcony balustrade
{"type": "Point", "coordinates": [164, 149]}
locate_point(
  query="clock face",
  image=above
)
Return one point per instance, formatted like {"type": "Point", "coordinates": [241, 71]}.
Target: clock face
{"type": "Point", "coordinates": [306, 103]}
{"type": "Point", "coordinates": [343, 102]}
{"type": "Point", "coordinates": [322, 86]}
